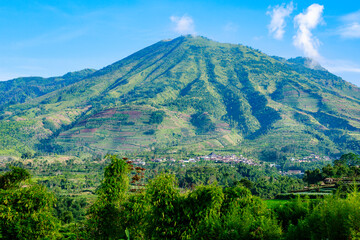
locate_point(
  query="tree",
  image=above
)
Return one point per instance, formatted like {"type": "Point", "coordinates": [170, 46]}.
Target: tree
{"type": "Point", "coordinates": [156, 117]}
{"type": "Point", "coordinates": [202, 205]}
{"type": "Point", "coordinates": [105, 214]}
{"type": "Point", "coordinates": [13, 178]}
{"type": "Point", "coordinates": [313, 177]}
{"type": "Point", "coordinates": [349, 159]}
{"type": "Point", "coordinates": [202, 122]}
{"type": "Point", "coordinates": [334, 219]}
{"type": "Point", "coordinates": [243, 216]}
{"type": "Point", "coordinates": [25, 211]}
{"type": "Point", "coordinates": [165, 211]}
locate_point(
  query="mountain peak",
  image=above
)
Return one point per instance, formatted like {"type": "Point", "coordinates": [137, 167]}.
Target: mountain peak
{"type": "Point", "coordinates": [195, 93]}
{"type": "Point", "coordinates": [193, 39]}
{"type": "Point", "coordinates": [307, 62]}
{"type": "Point", "coordinates": [193, 36]}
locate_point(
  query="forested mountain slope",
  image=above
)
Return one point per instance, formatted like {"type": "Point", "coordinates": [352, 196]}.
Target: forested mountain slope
{"type": "Point", "coordinates": [191, 93]}
{"type": "Point", "coordinates": [20, 90]}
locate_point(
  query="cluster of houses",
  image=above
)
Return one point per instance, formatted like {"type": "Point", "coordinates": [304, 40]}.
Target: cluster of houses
{"type": "Point", "coordinates": [229, 159]}
{"type": "Point", "coordinates": [233, 159]}
{"type": "Point", "coordinates": [311, 158]}
{"type": "Point", "coordinates": [294, 172]}
{"type": "Point", "coordinates": [212, 157]}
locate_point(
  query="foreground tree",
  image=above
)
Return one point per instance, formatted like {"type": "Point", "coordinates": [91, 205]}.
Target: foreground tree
{"type": "Point", "coordinates": [334, 218]}
{"type": "Point", "coordinates": [25, 210]}
{"type": "Point", "coordinates": [165, 215]}
{"type": "Point", "coordinates": [243, 216]}
{"type": "Point", "coordinates": [105, 214]}
{"type": "Point", "coordinates": [207, 212]}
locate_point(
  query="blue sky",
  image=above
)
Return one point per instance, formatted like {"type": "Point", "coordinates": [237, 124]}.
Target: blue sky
{"type": "Point", "coordinates": [51, 38]}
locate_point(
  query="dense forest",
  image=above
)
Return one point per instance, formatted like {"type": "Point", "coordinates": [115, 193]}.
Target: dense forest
{"type": "Point", "coordinates": [198, 202]}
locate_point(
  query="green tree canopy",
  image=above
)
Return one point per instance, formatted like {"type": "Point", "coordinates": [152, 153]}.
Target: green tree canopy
{"type": "Point", "coordinates": [25, 211]}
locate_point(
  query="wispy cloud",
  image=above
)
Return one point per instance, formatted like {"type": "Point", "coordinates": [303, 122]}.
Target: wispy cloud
{"type": "Point", "coordinates": [342, 69]}
{"type": "Point", "coordinates": [230, 27]}
{"type": "Point", "coordinates": [183, 25]}
{"type": "Point", "coordinates": [306, 22]}
{"type": "Point", "coordinates": [278, 15]}
{"type": "Point", "coordinates": [348, 70]}
{"type": "Point", "coordinates": [45, 6]}
{"type": "Point", "coordinates": [257, 38]}
{"type": "Point", "coordinates": [4, 76]}
{"type": "Point", "coordinates": [58, 36]}
{"type": "Point", "coordinates": [351, 26]}
{"type": "Point", "coordinates": [355, 16]}
{"type": "Point", "coordinates": [341, 66]}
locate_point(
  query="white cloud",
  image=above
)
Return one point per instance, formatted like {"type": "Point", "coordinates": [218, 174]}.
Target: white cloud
{"type": "Point", "coordinates": [183, 25]}
{"type": "Point", "coordinates": [257, 38]}
{"type": "Point", "coordinates": [352, 17]}
{"type": "Point", "coordinates": [230, 27]}
{"type": "Point", "coordinates": [351, 30]}
{"type": "Point", "coordinates": [351, 26]}
{"type": "Point", "coordinates": [5, 76]}
{"type": "Point", "coordinates": [278, 15]}
{"type": "Point", "coordinates": [306, 22]}
{"type": "Point", "coordinates": [343, 69]}
{"type": "Point", "coordinates": [348, 70]}
{"type": "Point", "coordinates": [54, 37]}
{"type": "Point", "coordinates": [341, 66]}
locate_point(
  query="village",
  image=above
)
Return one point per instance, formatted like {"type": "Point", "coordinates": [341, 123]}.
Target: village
{"type": "Point", "coordinates": [234, 159]}
{"type": "Point", "coordinates": [311, 158]}
{"type": "Point", "coordinates": [211, 157]}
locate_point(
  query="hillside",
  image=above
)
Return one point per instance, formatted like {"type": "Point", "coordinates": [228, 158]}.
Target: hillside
{"type": "Point", "coordinates": [191, 93]}
{"type": "Point", "coordinates": [20, 90]}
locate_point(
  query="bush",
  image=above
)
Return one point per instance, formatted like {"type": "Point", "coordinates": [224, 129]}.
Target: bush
{"type": "Point", "coordinates": [150, 132]}
{"type": "Point", "coordinates": [333, 218]}
{"type": "Point", "coordinates": [156, 117]}
{"type": "Point", "coordinates": [202, 122]}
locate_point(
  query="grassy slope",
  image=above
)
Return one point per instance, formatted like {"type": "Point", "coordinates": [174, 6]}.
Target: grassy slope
{"type": "Point", "coordinates": [20, 90]}
{"type": "Point", "coordinates": [256, 102]}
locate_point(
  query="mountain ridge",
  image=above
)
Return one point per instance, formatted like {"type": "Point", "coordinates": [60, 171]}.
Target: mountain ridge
{"type": "Point", "coordinates": [249, 98]}
{"type": "Point", "coordinates": [20, 90]}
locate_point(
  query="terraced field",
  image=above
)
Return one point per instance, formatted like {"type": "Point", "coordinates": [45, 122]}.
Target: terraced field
{"type": "Point", "coordinates": [213, 96]}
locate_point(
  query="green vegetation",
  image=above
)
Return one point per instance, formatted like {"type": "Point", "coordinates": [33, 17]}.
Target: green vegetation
{"type": "Point", "coordinates": [126, 209]}
{"type": "Point", "coordinates": [156, 117]}
{"type": "Point", "coordinates": [26, 211]}
{"type": "Point", "coordinates": [344, 169]}
{"type": "Point", "coordinates": [21, 90]}
{"type": "Point", "coordinates": [202, 122]}
{"type": "Point", "coordinates": [179, 99]}
{"type": "Point", "coordinates": [331, 218]}
{"type": "Point", "coordinates": [188, 93]}
{"type": "Point", "coordinates": [105, 221]}
{"type": "Point", "coordinates": [265, 182]}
